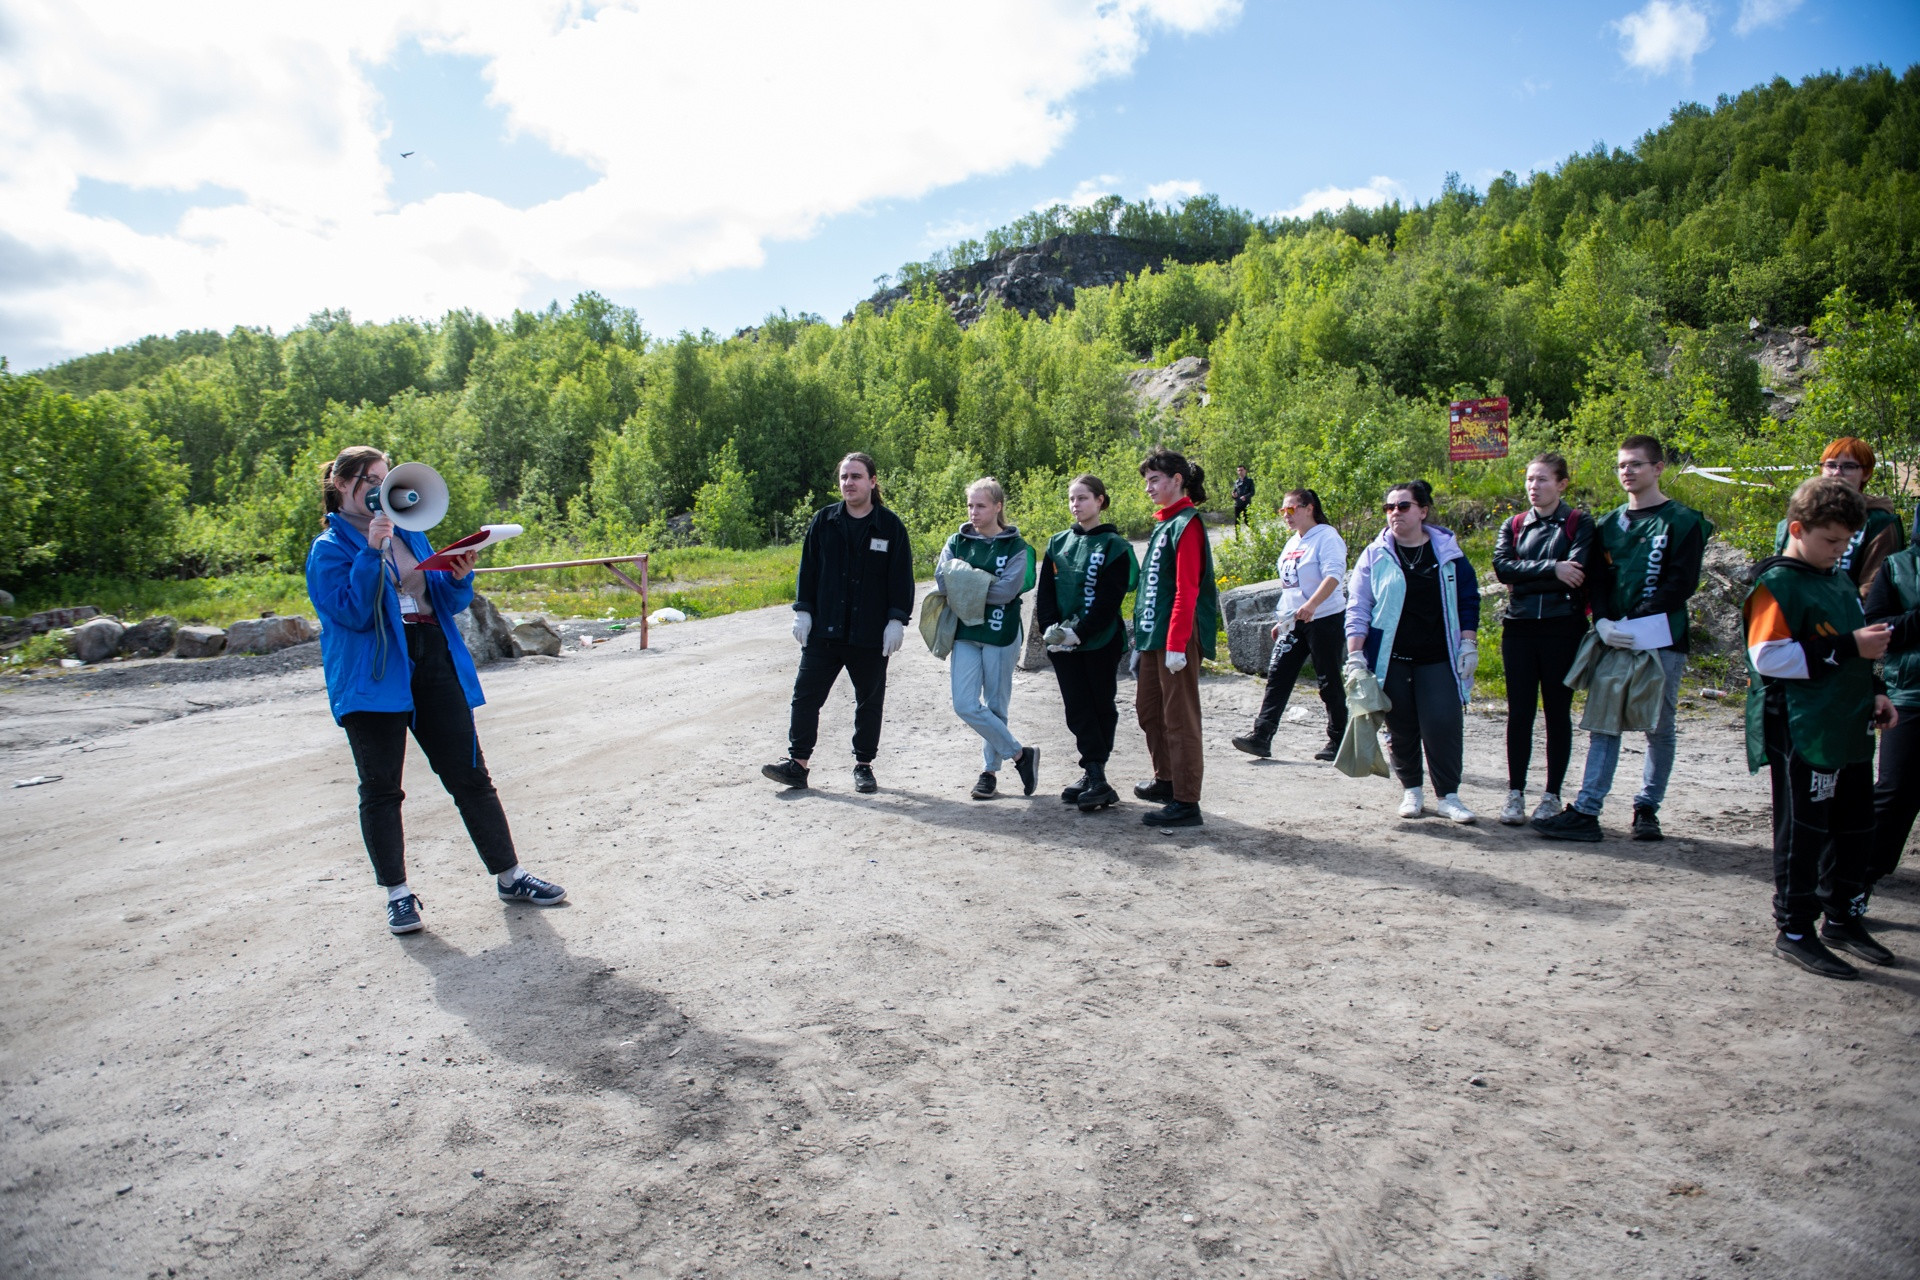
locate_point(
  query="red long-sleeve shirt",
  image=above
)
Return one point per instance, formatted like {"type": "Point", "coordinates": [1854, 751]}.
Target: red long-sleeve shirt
{"type": "Point", "coordinates": [1186, 576]}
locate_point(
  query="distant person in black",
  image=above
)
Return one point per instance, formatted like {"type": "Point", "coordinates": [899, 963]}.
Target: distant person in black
{"type": "Point", "coordinates": [852, 601]}
{"type": "Point", "coordinates": [1242, 493]}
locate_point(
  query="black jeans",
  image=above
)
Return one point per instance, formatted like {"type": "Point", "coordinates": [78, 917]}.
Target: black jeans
{"type": "Point", "coordinates": [1538, 655]}
{"type": "Point", "coordinates": [442, 724]}
{"type": "Point", "coordinates": [1325, 641]}
{"type": "Point", "coordinates": [821, 663]}
{"type": "Point", "coordinates": [1821, 829]}
{"type": "Point", "coordinates": [1896, 796]}
{"type": "Point", "coordinates": [1089, 682]}
{"type": "Point", "coordinates": [1426, 713]}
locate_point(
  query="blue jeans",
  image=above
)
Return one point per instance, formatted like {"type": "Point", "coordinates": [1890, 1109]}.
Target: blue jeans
{"type": "Point", "coordinates": [1603, 749]}
{"type": "Point", "coordinates": [982, 689]}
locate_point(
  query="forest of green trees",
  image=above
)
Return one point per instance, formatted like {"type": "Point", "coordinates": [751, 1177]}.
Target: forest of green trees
{"type": "Point", "coordinates": [1613, 294]}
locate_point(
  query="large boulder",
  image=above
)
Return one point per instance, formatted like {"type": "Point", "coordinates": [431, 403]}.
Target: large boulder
{"type": "Point", "coordinates": [1173, 388]}
{"type": "Point", "coordinates": [536, 636]}
{"type": "Point", "coordinates": [149, 639]}
{"type": "Point", "coordinates": [488, 634]}
{"type": "Point", "coordinates": [1248, 614]}
{"type": "Point", "coordinates": [270, 634]}
{"type": "Point", "coordinates": [199, 642]}
{"type": "Point", "coordinates": [1726, 572]}
{"type": "Point", "coordinates": [95, 640]}
{"type": "Point", "coordinates": [13, 630]}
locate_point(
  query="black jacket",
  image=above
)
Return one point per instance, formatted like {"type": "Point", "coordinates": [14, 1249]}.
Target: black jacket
{"type": "Point", "coordinates": [1526, 563]}
{"type": "Point", "coordinates": [854, 591]}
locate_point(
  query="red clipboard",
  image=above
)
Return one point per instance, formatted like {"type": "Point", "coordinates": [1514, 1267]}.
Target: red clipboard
{"type": "Point", "coordinates": [488, 535]}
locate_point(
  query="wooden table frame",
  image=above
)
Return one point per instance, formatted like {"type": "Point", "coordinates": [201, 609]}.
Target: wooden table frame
{"type": "Point", "coordinates": [608, 562]}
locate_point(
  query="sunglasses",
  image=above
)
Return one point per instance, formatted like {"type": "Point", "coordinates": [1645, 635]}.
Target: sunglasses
{"type": "Point", "coordinates": [1391, 507]}
{"type": "Point", "coordinates": [1287, 511]}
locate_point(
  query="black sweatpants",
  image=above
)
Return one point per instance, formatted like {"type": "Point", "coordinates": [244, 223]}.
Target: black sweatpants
{"type": "Point", "coordinates": [1537, 655]}
{"type": "Point", "coordinates": [1089, 683]}
{"type": "Point", "coordinates": [821, 663]}
{"type": "Point", "coordinates": [442, 724]}
{"type": "Point", "coordinates": [1426, 713]}
{"type": "Point", "coordinates": [1896, 796]}
{"type": "Point", "coordinates": [1822, 823]}
{"type": "Point", "coordinates": [1325, 641]}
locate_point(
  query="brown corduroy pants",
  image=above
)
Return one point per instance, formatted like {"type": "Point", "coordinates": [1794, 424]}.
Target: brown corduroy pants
{"type": "Point", "coordinates": [1168, 705]}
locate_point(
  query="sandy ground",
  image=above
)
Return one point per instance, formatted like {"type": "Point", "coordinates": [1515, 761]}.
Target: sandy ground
{"type": "Point", "coordinates": [904, 1035]}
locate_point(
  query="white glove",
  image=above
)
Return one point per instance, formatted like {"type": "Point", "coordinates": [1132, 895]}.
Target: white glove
{"type": "Point", "coordinates": [1133, 663]}
{"type": "Point", "coordinates": [1357, 660]}
{"type": "Point", "coordinates": [1060, 638]}
{"type": "Point", "coordinates": [1469, 661]}
{"type": "Point", "coordinates": [1610, 634]}
{"type": "Point", "coordinates": [802, 628]}
{"type": "Point", "coordinates": [1176, 663]}
{"type": "Point", "coordinates": [891, 637]}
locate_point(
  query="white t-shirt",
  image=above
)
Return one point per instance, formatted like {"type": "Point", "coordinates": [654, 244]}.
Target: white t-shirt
{"type": "Point", "coordinates": [1318, 553]}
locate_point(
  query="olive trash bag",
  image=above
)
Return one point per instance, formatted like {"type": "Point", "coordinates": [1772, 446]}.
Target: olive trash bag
{"type": "Point", "coordinates": [1623, 686]}
{"type": "Point", "coordinates": [1360, 754]}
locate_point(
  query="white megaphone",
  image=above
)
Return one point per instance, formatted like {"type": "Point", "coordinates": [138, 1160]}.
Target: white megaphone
{"type": "Point", "coordinates": [413, 496]}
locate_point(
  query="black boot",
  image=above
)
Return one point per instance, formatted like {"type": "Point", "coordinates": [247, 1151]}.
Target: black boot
{"type": "Point", "coordinates": [1177, 813]}
{"type": "Point", "coordinates": [1071, 793]}
{"type": "Point", "coordinates": [1254, 745]}
{"type": "Point", "coordinates": [1098, 793]}
{"type": "Point", "coordinates": [1159, 790]}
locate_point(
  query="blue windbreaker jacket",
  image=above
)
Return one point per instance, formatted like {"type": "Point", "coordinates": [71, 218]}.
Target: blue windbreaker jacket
{"type": "Point", "coordinates": [366, 670]}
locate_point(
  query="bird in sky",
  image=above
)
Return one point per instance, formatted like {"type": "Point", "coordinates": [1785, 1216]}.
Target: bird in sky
{"type": "Point", "coordinates": [405, 154]}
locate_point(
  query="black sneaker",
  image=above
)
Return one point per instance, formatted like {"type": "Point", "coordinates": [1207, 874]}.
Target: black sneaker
{"type": "Point", "coordinates": [863, 780]}
{"type": "Point", "coordinates": [403, 914]}
{"type": "Point", "coordinates": [787, 773]}
{"type": "Point", "coordinates": [1071, 793]}
{"type": "Point", "coordinates": [985, 786]}
{"type": "Point", "coordinates": [1176, 814]}
{"type": "Point", "coordinates": [1646, 823]}
{"type": "Point", "coordinates": [1327, 752]}
{"type": "Point", "coordinates": [1569, 824]}
{"type": "Point", "coordinates": [1254, 745]}
{"type": "Point", "coordinates": [1027, 765]}
{"type": "Point", "coordinates": [1852, 935]}
{"type": "Point", "coordinates": [1158, 790]}
{"type": "Point", "coordinates": [1810, 955]}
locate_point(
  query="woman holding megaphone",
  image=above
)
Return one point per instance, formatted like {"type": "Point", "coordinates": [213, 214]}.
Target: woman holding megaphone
{"type": "Point", "coordinates": [395, 662]}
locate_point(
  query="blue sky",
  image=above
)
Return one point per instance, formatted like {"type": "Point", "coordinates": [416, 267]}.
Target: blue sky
{"type": "Point", "coordinates": [707, 167]}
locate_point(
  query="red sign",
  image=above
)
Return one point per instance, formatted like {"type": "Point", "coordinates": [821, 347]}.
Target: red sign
{"type": "Point", "coordinates": [1477, 429]}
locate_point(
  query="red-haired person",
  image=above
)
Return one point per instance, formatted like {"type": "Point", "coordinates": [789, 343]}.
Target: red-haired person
{"type": "Point", "coordinates": [1851, 462]}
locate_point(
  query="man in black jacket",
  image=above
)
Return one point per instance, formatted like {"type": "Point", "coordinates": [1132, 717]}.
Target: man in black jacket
{"type": "Point", "coordinates": [1242, 494]}
{"type": "Point", "coordinates": [851, 606]}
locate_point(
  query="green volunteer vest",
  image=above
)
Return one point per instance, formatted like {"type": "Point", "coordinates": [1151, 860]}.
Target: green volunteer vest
{"type": "Point", "coordinates": [1828, 717]}
{"type": "Point", "coordinates": [1153, 602]}
{"type": "Point", "coordinates": [1850, 561]}
{"type": "Point", "coordinates": [1638, 553]}
{"type": "Point", "coordinates": [1002, 623]}
{"type": "Point", "coordinates": [1077, 560]}
{"type": "Point", "coordinates": [1902, 669]}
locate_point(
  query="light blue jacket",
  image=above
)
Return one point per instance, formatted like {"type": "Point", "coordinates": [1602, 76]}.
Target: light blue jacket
{"type": "Point", "coordinates": [1377, 591]}
{"type": "Point", "coordinates": [367, 666]}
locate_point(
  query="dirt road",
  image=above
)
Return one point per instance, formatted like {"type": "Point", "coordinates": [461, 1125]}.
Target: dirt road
{"type": "Point", "coordinates": [907, 1034]}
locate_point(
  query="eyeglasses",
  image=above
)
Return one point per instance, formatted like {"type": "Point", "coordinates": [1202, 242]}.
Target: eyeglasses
{"type": "Point", "coordinates": [1391, 507]}
{"type": "Point", "coordinates": [1841, 464]}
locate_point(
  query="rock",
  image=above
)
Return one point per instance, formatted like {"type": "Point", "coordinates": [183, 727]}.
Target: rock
{"type": "Point", "coordinates": [1248, 613]}
{"type": "Point", "coordinates": [199, 642]}
{"type": "Point", "coordinates": [488, 634]}
{"type": "Point", "coordinates": [149, 639]}
{"type": "Point", "coordinates": [270, 634]}
{"type": "Point", "coordinates": [536, 637]}
{"type": "Point", "coordinates": [6, 599]}
{"type": "Point", "coordinates": [1033, 650]}
{"type": "Point", "coordinates": [52, 619]}
{"type": "Point", "coordinates": [95, 640]}
{"type": "Point", "coordinates": [1726, 573]}
{"type": "Point", "coordinates": [1173, 388]}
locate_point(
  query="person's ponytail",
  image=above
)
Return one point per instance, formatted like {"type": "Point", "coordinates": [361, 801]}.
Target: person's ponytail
{"type": "Point", "coordinates": [1196, 483]}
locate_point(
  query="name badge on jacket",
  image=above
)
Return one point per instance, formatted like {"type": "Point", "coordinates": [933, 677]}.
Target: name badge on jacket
{"type": "Point", "coordinates": [878, 544]}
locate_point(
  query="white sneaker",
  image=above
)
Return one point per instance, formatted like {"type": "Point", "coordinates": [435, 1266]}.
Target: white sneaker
{"type": "Point", "coordinates": [1450, 807]}
{"type": "Point", "coordinates": [1549, 807]}
{"type": "Point", "coordinates": [1412, 803]}
{"type": "Point", "coordinates": [1515, 813]}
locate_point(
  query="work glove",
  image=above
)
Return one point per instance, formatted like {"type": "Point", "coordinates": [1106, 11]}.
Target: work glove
{"type": "Point", "coordinates": [1357, 660]}
{"type": "Point", "coordinates": [1176, 663]}
{"type": "Point", "coordinates": [891, 637]}
{"type": "Point", "coordinates": [1060, 638]}
{"type": "Point", "coordinates": [1469, 661]}
{"type": "Point", "coordinates": [802, 628]}
{"type": "Point", "coordinates": [1611, 635]}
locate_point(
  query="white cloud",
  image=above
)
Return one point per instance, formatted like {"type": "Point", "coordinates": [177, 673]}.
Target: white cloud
{"type": "Point", "coordinates": [1174, 192]}
{"type": "Point", "coordinates": [1663, 36]}
{"type": "Point", "coordinates": [713, 128]}
{"type": "Point", "coordinates": [1378, 191]}
{"type": "Point", "coordinates": [1085, 192]}
{"type": "Point", "coordinates": [1755, 14]}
